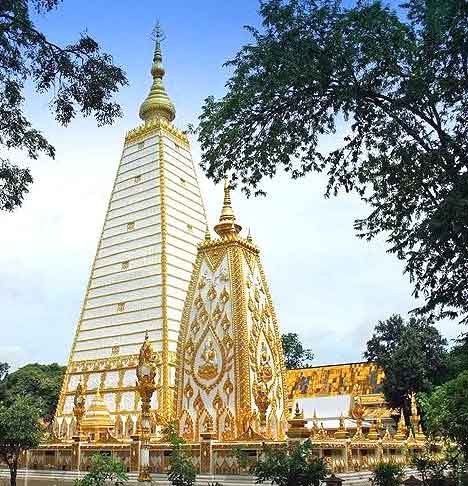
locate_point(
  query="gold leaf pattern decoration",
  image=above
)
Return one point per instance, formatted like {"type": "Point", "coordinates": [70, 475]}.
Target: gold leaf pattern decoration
{"type": "Point", "coordinates": [202, 283]}
{"type": "Point", "coordinates": [225, 322]}
{"type": "Point", "coordinates": [214, 257]}
{"type": "Point", "coordinates": [228, 342]}
{"type": "Point", "coordinates": [198, 403]}
{"type": "Point", "coordinates": [224, 296]}
{"type": "Point", "coordinates": [217, 402]}
{"type": "Point", "coordinates": [217, 314]}
{"type": "Point", "coordinates": [212, 294]}
{"type": "Point", "coordinates": [203, 316]}
{"type": "Point", "coordinates": [189, 348]}
{"type": "Point", "coordinates": [257, 295]}
{"type": "Point", "coordinates": [198, 302]}
{"type": "Point", "coordinates": [195, 327]}
{"type": "Point", "coordinates": [188, 391]}
{"type": "Point", "coordinates": [228, 386]}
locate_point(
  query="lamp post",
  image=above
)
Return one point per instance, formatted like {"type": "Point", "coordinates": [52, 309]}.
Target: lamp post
{"type": "Point", "coordinates": [146, 373]}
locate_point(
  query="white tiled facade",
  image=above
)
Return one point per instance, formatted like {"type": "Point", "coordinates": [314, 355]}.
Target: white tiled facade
{"type": "Point", "coordinates": [154, 221]}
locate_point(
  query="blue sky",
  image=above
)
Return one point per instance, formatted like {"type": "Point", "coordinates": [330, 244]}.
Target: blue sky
{"type": "Point", "coordinates": [327, 285]}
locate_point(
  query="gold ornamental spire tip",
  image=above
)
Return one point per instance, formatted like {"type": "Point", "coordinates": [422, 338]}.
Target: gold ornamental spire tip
{"type": "Point", "coordinates": [227, 228]}
{"type": "Point", "coordinates": [157, 104]}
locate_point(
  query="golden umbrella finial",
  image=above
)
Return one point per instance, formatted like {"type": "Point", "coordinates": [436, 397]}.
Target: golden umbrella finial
{"type": "Point", "coordinates": [227, 227]}
{"type": "Point", "coordinates": [157, 104]}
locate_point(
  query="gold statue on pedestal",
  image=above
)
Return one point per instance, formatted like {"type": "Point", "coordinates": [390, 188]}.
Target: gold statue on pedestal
{"type": "Point", "coordinates": [79, 407]}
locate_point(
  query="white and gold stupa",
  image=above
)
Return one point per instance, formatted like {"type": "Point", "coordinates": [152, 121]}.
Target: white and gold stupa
{"type": "Point", "coordinates": [230, 369]}
{"type": "Point", "coordinates": [142, 268]}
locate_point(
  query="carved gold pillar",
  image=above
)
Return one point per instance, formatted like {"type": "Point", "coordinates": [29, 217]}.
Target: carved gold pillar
{"type": "Point", "coordinates": [146, 373]}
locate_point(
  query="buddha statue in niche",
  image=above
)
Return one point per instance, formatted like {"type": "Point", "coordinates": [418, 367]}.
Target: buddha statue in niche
{"type": "Point", "coordinates": [209, 368]}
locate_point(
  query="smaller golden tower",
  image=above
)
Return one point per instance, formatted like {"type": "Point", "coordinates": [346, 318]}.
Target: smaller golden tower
{"type": "Point", "coordinates": [97, 421]}
{"type": "Point", "coordinates": [402, 429]}
{"type": "Point", "coordinates": [229, 374]}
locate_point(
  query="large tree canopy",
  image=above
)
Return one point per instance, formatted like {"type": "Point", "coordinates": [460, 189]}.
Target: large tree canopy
{"type": "Point", "coordinates": [412, 355]}
{"type": "Point", "coordinates": [39, 382]}
{"type": "Point", "coordinates": [392, 89]}
{"type": "Point", "coordinates": [82, 78]}
{"type": "Point", "coordinates": [446, 411]}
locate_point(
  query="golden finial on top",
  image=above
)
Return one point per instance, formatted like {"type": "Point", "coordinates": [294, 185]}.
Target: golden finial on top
{"type": "Point", "coordinates": [157, 104]}
{"type": "Point", "coordinates": [227, 227]}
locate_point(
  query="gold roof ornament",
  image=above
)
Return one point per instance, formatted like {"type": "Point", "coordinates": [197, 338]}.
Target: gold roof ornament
{"type": "Point", "coordinates": [402, 430]}
{"type": "Point", "coordinates": [341, 431]}
{"type": "Point", "coordinates": [97, 416]}
{"type": "Point", "coordinates": [373, 434]}
{"type": "Point", "coordinates": [227, 228]}
{"type": "Point", "coordinates": [157, 104]}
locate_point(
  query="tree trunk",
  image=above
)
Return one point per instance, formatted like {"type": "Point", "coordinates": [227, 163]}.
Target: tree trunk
{"type": "Point", "coordinates": [13, 471]}
{"type": "Point", "coordinates": [13, 476]}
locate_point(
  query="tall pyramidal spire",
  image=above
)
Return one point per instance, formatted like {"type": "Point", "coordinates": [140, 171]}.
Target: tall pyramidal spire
{"type": "Point", "coordinates": [230, 367]}
{"type": "Point", "coordinates": [157, 104]}
{"type": "Point", "coordinates": [139, 277]}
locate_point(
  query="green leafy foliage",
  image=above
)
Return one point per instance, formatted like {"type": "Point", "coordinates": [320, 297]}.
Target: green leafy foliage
{"type": "Point", "coordinates": [104, 470]}
{"type": "Point", "coordinates": [387, 90]}
{"type": "Point", "coordinates": [290, 466]}
{"type": "Point", "coordinates": [431, 469]}
{"type": "Point", "coordinates": [81, 78]}
{"type": "Point", "coordinates": [412, 354]}
{"type": "Point", "coordinates": [457, 359]}
{"type": "Point", "coordinates": [295, 355]}
{"type": "Point", "coordinates": [4, 367]}
{"type": "Point", "coordinates": [387, 474]}
{"type": "Point", "coordinates": [40, 382]}
{"type": "Point", "coordinates": [20, 430]}
{"type": "Point", "coordinates": [181, 471]}
{"type": "Point", "coordinates": [446, 411]}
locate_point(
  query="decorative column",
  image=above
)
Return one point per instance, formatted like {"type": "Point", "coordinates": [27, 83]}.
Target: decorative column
{"type": "Point", "coordinates": [146, 373]}
{"type": "Point", "coordinates": [79, 408]}
{"type": "Point", "coordinates": [78, 412]}
{"type": "Point", "coordinates": [206, 450]}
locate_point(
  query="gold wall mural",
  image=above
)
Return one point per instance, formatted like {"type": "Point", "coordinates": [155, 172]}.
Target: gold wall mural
{"type": "Point", "coordinates": [341, 379]}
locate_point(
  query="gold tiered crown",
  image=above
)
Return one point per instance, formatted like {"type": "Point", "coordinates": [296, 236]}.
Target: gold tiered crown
{"type": "Point", "coordinates": [98, 415]}
{"type": "Point", "coordinates": [157, 104]}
